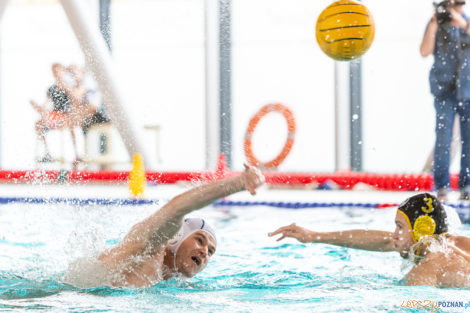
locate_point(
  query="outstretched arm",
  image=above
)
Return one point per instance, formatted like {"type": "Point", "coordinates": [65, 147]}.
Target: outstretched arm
{"type": "Point", "coordinates": [152, 233]}
{"type": "Point", "coordinates": [373, 240]}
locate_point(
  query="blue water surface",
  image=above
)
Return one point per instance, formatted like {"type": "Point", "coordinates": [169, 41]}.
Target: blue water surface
{"type": "Point", "coordinates": [249, 273]}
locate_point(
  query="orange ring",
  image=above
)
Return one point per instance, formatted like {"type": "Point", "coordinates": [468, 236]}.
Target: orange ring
{"type": "Point", "coordinates": [287, 113]}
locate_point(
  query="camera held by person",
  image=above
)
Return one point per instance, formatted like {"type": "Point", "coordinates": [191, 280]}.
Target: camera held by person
{"type": "Point", "coordinates": [443, 10]}
{"type": "Point", "coordinates": [443, 15]}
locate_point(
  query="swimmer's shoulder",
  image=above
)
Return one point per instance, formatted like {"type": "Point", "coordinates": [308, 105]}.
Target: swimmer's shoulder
{"type": "Point", "coordinates": [88, 272]}
{"type": "Point", "coordinates": [461, 242]}
{"type": "Point", "coordinates": [426, 272]}
{"type": "Point", "coordinates": [452, 269]}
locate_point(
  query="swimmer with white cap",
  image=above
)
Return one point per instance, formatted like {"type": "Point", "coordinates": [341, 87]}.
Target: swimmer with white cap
{"type": "Point", "coordinates": [166, 244]}
{"type": "Point", "coordinates": [421, 234]}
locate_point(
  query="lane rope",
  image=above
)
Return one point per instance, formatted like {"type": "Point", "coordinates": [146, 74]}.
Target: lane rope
{"type": "Point", "coordinates": [463, 209]}
{"type": "Point", "coordinates": [277, 204]}
{"type": "Point", "coordinates": [77, 201]}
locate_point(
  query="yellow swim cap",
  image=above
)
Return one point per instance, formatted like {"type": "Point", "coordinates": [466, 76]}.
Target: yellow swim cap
{"type": "Point", "coordinates": [426, 215]}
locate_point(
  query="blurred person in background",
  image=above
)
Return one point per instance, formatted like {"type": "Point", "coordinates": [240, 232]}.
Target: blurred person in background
{"type": "Point", "coordinates": [447, 38]}
{"type": "Point", "coordinates": [55, 117]}
{"type": "Point", "coordinates": [71, 107]}
{"type": "Point", "coordinates": [88, 108]}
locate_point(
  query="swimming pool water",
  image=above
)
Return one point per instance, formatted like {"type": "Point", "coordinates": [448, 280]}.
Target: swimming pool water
{"type": "Point", "coordinates": [249, 273]}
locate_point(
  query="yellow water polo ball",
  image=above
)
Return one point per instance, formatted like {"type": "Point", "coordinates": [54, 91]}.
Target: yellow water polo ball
{"type": "Point", "coordinates": [345, 30]}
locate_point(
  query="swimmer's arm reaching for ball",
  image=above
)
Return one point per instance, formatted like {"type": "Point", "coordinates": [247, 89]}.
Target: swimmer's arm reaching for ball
{"type": "Point", "coordinates": [152, 233]}
{"type": "Point", "coordinates": [373, 240]}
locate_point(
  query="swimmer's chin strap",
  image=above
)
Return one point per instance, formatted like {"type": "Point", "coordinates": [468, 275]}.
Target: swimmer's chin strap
{"type": "Point", "coordinates": [420, 247]}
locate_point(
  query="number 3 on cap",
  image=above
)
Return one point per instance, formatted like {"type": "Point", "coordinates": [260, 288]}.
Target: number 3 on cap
{"type": "Point", "coordinates": [430, 208]}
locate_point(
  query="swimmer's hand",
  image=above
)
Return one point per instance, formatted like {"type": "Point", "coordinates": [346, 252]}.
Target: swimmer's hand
{"type": "Point", "coordinates": [252, 178]}
{"type": "Point", "coordinates": [293, 231]}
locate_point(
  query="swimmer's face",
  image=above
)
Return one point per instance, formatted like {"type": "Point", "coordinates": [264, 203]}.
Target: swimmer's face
{"type": "Point", "coordinates": [194, 253]}
{"type": "Point", "coordinates": [402, 239]}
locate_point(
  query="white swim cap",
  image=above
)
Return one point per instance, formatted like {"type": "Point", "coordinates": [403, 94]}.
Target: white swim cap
{"type": "Point", "coordinates": [190, 226]}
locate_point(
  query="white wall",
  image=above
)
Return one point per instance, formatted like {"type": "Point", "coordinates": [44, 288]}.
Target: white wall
{"type": "Point", "coordinates": [158, 50]}
{"type": "Point", "coordinates": [276, 59]}
{"type": "Point", "coordinates": [398, 107]}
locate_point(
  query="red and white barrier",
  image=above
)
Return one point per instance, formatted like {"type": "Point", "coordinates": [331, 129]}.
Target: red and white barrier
{"type": "Point", "coordinates": [343, 180]}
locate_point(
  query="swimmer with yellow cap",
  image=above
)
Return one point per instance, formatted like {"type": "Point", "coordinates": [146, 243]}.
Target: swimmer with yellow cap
{"type": "Point", "coordinates": [422, 226]}
{"type": "Point", "coordinates": [166, 244]}
{"type": "Point", "coordinates": [424, 216]}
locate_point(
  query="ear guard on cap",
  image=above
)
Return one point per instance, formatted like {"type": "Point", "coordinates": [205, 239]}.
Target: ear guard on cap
{"type": "Point", "coordinates": [424, 226]}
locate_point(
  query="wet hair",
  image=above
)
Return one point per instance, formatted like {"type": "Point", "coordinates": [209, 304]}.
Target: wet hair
{"type": "Point", "coordinates": [425, 215]}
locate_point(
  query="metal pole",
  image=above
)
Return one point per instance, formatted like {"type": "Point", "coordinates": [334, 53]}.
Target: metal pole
{"type": "Point", "coordinates": [356, 114]}
{"type": "Point", "coordinates": [99, 60]}
{"type": "Point", "coordinates": [105, 29]}
{"type": "Point", "coordinates": [105, 22]}
{"type": "Point", "coordinates": [225, 72]}
{"type": "Point", "coordinates": [211, 57]}
{"type": "Point", "coordinates": [342, 117]}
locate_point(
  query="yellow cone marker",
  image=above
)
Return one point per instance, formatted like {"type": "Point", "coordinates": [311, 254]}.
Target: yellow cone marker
{"type": "Point", "coordinates": [137, 181]}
